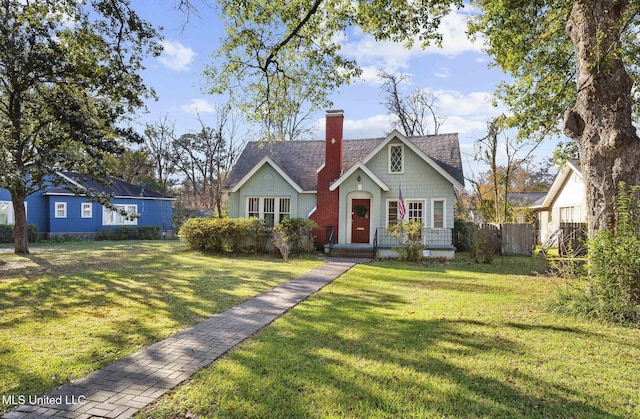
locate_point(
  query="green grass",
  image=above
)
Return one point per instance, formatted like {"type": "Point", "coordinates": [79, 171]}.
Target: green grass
{"type": "Point", "coordinates": [391, 340]}
{"type": "Point", "coordinates": [69, 309]}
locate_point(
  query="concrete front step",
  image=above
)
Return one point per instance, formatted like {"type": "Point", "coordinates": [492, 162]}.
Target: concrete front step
{"type": "Point", "coordinates": [354, 252]}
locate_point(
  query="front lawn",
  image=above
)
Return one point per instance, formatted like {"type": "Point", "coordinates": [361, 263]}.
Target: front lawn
{"type": "Point", "coordinates": [391, 340]}
{"type": "Point", "coordinates": [69, 309]}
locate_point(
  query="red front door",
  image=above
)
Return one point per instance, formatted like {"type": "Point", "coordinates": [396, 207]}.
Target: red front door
{"type": "Point", "coordinates": [360, 220]}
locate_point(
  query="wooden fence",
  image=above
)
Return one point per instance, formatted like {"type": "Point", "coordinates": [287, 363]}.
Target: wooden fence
{"type": "Point", "coordinates": [509, 239]}
{"type": "Point", "coordinates": [572, 239]}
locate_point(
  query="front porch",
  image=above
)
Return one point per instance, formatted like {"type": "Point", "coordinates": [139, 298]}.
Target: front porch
{"type": "Point", "coordinates": [438, 243]}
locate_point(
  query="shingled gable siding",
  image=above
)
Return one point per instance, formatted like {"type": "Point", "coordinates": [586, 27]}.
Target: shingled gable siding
{"type": "Point", "coordinates": [419, 181]}
{"type": "Point", "coordinates": [255, 187]}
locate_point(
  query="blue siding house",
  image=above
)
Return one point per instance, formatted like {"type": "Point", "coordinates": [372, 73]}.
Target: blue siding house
{"type": "Point", "coordinates": [58, 211]}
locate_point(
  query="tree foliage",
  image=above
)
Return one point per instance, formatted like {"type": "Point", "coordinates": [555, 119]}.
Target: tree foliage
{"type": "Point", "coordinates": [572, 62]}
{"type": "Point", "coordinates": [280, 52]}
{"type": "Point", "coordinates": [69, 75]}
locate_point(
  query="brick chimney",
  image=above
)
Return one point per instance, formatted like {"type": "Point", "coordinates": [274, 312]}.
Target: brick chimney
{"type": "Point", "coordinates": [333, 144]}
{"type": "Point", "coordinates": [327, 206]}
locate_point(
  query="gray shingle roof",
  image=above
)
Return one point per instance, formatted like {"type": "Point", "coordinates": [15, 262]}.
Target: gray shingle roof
{"type": "Point", "coordinates": [115, 187]}
{"type": "Point", "coordinates": [300, 160]}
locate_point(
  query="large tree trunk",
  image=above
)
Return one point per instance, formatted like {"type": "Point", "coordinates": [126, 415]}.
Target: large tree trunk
{"type": "Point", "coordinates": [601, 119]}
{"type": "Point", "coordinates": [20, 226]}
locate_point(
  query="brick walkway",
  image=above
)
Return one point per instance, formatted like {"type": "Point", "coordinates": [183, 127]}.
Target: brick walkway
{"type": "Point", "coordinates": [121, 389]}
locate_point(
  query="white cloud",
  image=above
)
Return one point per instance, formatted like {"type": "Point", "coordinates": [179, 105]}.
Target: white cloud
{"type": "Point", "coordinates": [392, 56]}
{"type": "Point", "coordinates": [198, 106]}
{"type": "Point", "coordinates": [373, 127]}
{"type": "Point", "coordinates": [441, 73]}
{"type": "Point", "coordinates": [176, 56]}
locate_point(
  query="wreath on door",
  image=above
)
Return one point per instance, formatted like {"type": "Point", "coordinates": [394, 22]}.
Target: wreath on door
{"type": "Point", "coordinates": [360, 210]}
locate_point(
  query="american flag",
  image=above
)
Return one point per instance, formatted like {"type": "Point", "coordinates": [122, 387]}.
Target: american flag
{"type": "Point", "coordinates": [402, 209]}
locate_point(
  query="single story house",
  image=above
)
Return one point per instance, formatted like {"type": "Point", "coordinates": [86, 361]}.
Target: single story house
{"type": "Point", "coordinates": [58, 211]}
{"type": "Point", "coordinates": [564, 203]}
{"type": "Point", "coordinates": [354, 189]}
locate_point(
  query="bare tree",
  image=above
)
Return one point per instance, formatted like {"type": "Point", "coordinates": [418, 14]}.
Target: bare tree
{"type": "Point", "coordinates": [498, 181]}
{"type": "Point", "coordinates": [158, 144]}
{"type": "Point", "coordinates": [412, 114]}
{"type": "Point", "coordinates": [205, 159]}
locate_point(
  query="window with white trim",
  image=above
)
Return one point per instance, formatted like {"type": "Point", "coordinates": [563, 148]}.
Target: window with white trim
{"type": "Point", "coordinates": [392, 212]}
{"type": "Point", "coordinates": [569, 214]}
{"type": "Point", "coordinates": [415, 211]}
{"type": "Point", "coordinates": [60, 210]}
{"type": "Point", "coordinates": [396, 158]}
{"type": "Point", "coordinates": [115, 218]}
{"type": "Point", "coordinates": [87, 210]}
{"type": "Point", "coordinates": [6, 212]}
{"type": "Point", "coordinates": [437, 213]}
{"type": "Point", "coordinates": [270, 209]}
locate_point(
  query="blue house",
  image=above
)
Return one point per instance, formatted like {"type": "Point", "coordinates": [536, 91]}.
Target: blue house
{"type": "Point", "coordinates": [58, 211]}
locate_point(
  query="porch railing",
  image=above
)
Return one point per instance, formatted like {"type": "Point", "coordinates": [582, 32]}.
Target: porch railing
{"type": "Point", "coordinates": [431, 238]}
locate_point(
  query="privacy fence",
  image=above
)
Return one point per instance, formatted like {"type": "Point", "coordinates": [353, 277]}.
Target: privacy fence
{"type": "Point", "coordinates": [504, 239]}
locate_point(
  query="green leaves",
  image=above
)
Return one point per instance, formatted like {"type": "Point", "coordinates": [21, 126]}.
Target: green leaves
{"type": "Point", "coordinates": [528, 40]}
{"type": "Point", "coordinates": [68, 77]}
{"type": "Point", "coordinates": [283, 57]}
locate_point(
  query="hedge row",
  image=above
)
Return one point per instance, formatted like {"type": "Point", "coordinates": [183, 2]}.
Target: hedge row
{"type": "Point", "coordinates": [130, 233]}
{"type": "Point", "coordinates": [239, 235]}
{"type": "Point", "coordinates": [6, 233]}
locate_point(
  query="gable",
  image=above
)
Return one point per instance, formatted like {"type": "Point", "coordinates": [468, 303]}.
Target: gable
{"type": "Point", "coordinates": [301, 160]}
{"type": "Point", "coordinates": [267, 176]}
{"type": "Point", "coordinates": [446, 147]}
{"type": "Point", "coordinates": [571, 175]}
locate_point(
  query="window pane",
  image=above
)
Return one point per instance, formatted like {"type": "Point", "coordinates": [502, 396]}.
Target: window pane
{"type": "Point", "coordinates": [415, 211]}
{"type": "Point", "coordinates": [86, 210]}
{"type": "Point", "coordinates": [395, 159]}
{"type": "Point", "coordinates": [438, 214]}
{"type": "Point", "coordinates": [4, 213]}
{"type": "Point", "coordinates": [269, 211]}
{"type": "Point", "coordinates": [254, 207]}
{"type": "Point", "coordinates": [61, 210]}
{"type": "Point", "coordinates": [393, 213]}
{"type": "Point", "coordinates": [285, 209]}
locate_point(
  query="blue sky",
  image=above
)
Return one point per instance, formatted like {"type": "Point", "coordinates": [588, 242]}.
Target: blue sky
{"type": "Point", "coordinates": [458, 74]}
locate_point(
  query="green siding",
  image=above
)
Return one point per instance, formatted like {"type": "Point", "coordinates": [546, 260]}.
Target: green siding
{"type": "Point", "coordinates": [419, 181]}
{"type": "Point", "coordinates": [267, 182]}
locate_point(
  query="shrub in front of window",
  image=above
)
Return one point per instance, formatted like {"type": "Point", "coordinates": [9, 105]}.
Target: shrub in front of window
{"type": "Point", "coordinates": [409, 235]}
{"type": "Point", "coordinates": [224, 235]}
{"type": "Point", "coordinates": [281, 241]}
{"type": "Point", "coordinates": [299, 233]}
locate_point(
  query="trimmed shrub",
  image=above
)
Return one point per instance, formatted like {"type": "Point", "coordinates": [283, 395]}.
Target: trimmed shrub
{"type": "Point", "coordinates": [224, 235]}
{"type": "Point", "coordinates": [299, 234]}
{"type": "Point", "coordinates": [130, 233]}
{"type": "Point", "coordinates": [6, 233]}
{"type": "Point", "coordinates": [294, 235]}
